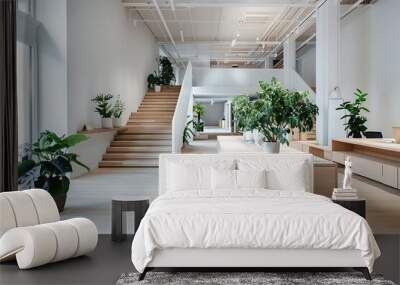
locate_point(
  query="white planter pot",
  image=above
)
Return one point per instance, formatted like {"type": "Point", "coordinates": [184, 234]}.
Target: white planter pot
{"type": "Point", "coordinates": [117, 122]}
{"type": "Point", "coordinates": [248, 137]}
{"type": "Point", "coordinates": [396, 134]}
{"type": "Point", "coordinates": [258, 138]}
{"type": "Point", "coordinates": [106, 123]}
{"type": "Point", "coordinates": [157, 88]}
{"type": "Point", "coordinates": [271, 147]}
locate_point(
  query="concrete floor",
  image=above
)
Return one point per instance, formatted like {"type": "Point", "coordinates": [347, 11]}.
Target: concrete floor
{"type": "Point", "coordinates": [103, 266]}
{"type": "Point", "coordinates": [110, 259]}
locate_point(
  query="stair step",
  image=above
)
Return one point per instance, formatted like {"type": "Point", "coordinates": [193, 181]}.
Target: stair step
{"type": "Point", "coordinates": [127, 149]}
{"type": "Point", "coordinates": [157, 105]}
{"type": "Point", "coordinates": [133, 123]}
{"type": "Point", "coordinates": [143, 137]}
{"type": "Point", "coordinates": [151, 114]}
{"type": "Point", "coordinates": [152, 93]}
{"type": "Point", "coordinates": [150, 120]}
{"type": "Point", "coordinates": [136, 130]}
{"type": "Point", "coordinates": [129, 156]}
{"type": "Point", "coordinates": [142, 143]}
{"type": "Point", "coordinates": [137, 163]}
{"type": "Point", "coordinates": [166, 111]}
{"type": "Point", "coordinates": [163, 98]}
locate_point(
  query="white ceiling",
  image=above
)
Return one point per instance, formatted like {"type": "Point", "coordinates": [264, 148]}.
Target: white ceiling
{"type": "Point", "coordinates": [203, 30]}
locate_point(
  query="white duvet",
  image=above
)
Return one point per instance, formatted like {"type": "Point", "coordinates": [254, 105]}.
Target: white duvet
{"type": "Point", "coordinates": [250, 219]}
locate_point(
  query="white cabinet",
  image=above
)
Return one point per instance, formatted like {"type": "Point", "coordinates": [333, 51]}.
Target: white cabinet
{"type": "Point", "coordinates": [338, 156]}
{"type": "Point", "coordinates": [389, 175]}
{"type": "Point", "coordinates": [366, 167]}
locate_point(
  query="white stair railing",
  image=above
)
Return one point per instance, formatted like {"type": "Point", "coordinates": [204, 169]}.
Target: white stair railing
{"type": "Point", "coordinates": [182, 110]}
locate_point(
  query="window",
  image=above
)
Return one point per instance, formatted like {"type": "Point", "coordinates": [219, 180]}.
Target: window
{"type": "Point", "coordinates": [26, 73]}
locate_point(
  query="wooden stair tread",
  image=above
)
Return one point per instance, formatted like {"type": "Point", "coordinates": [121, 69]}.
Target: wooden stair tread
{"type": "Point", "coordinates": [144, 137]}
{"type": "Point", "coordinates": [129, 163]}
{"type": "Point", "coordinates": [141, 143]}
{"type": "Point", "coordinates": [127, 149]}
{"type": "Point", "coordinates": [129, 156]}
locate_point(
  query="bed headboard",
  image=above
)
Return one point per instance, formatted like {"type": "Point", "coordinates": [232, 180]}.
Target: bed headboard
{"type": "Point", "coordinates": [284, 160]}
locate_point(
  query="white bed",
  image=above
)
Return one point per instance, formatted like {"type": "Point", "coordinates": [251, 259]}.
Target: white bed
{"type": "Point", "coordinates": [207, 226]}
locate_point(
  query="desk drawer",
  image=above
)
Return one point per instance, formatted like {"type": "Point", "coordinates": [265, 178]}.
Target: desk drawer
{"type": "Point", "coordinates": [368, 168]}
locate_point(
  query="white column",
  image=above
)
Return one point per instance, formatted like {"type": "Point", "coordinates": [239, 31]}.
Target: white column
{"type": "Point", "coordinates": [289, 61]}
{"type": "Point", "coordinates": [327, 68]}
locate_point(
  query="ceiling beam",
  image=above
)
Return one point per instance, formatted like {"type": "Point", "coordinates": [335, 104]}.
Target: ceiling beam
{"type": "Point", "coordinates": [213, 21]}
{"type": "Point", "coordinates": [228, 3]}
{"type": "Point", "coordinates": [217, 43]}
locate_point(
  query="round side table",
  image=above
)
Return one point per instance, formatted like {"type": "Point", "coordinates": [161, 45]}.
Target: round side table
{"type": "Point", "coordinates": [121, 204]}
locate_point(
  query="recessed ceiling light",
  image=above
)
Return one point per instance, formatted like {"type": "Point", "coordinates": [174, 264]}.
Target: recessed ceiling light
{"type": "Point", "coordinates": [258, 38]}
{"type": "Point", "coordinates": [237, 35]}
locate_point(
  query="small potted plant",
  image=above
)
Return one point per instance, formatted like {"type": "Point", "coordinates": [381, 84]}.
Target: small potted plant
{"type": "Point", "coordinates": [154, 82]}
{"type": "Point", "coordinates": [199, 109]}
{"type": "Point", "coordinates": [355, 125]}
{"type": "Point", "coordinates": [118, 109]}
{"type": "Point", "coordinates": [105, 109]}
{"type": "Point", "coordinates": [47, 165]}
{"type": "Point", "coordinates": [279, 109]}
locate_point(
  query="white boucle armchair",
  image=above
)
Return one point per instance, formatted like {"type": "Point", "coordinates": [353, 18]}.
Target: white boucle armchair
{"type": "Point", "coordinates": [31, 231]}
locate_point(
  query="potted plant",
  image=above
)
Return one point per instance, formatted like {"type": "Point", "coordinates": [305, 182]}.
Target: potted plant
{"type": "Point", "coordinates": [118, 109]}
{"type": "Point", "coordinates": [105, 109]}
{"type": "Point", "coordinates": [199, 109]}
{"type": "Point", "coordinates": [278, 109]}
{"type": "Point", "coordinates": [47, 165]}
{"type": "Point", "coordinates": [154, 82]}
{"type": "Point", "coordinates": [166, 71]}
{"type": "Point", "coordinates": [355, 125]}
{"type": "Point", "coordinates": [245, 116]}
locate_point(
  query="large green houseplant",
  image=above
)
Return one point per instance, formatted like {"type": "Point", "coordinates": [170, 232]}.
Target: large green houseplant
{"type": "Point", "coordinates": [199, 110]}
{"type": "Point", "coordinates": [166, 71]}
{"type": "Point", "coordinates": [245, 116]}
{"type": "Point", "coordinates": [355, 124]}
{"type": "Point", "coordinates": [48, 164]}
{"type": "Point", "coordinates": [273, 112]}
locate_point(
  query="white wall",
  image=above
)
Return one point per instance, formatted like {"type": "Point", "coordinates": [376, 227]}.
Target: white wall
{"type": "Point", "coordinates": [52, 65]}
{"type": "Point", "coordinates": [106, 53]}
{"type": "Point", "coordinates": [213, 113]}
{"type": "Point", "coordinates": [371, 61]}
{"type": "Point", "coordinates": [306, 65]}
{"type": "Point", "coordinates": [229, 81]}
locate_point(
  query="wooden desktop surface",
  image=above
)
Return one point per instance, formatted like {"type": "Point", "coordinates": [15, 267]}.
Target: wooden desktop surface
{"type": "Point", "coordinates": [379, 148]}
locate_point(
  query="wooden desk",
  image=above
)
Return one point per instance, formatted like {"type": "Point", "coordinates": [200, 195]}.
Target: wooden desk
{"type": "Point", "coordinates": [378, 148]}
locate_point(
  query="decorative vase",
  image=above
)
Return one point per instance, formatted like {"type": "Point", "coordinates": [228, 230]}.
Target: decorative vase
{"type": "Point", "coordinates": [396, 134]}
{"type": "Point", "coordinates": [271, 147]}
{"type": "Point", "coordinates": [106, 123]}
{"type": "Point", "coordinates": [117, 122]}
{"type": "Point", "coordinates": [248, 137]}
{"type": "Point", "coordinates": [60, 202]}
{"type": "Point", "coordinates": [157, 88]}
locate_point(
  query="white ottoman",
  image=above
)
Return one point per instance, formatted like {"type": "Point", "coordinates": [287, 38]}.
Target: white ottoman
{"type": "Point", "coordinates": [31, 232]}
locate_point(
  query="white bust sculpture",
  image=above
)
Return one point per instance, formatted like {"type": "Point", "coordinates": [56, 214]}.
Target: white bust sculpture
{"type": "Point", "coordinates": [347, 174]}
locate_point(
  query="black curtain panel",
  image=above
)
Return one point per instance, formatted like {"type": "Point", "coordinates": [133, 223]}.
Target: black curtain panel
{"type": "Point", "coordinates": [8, 97]}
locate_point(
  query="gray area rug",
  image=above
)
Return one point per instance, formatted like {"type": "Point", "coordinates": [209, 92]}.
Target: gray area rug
{"type": "Point", "coordinates": [243, 278]}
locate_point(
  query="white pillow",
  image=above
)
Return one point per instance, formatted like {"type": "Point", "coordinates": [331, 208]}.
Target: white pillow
{"type": "Point", "coordinates": [194, 174]}
{"type": "Point", "coordinates": [182, 177]}
{"type": "Point", "coordinates": [281, 174]}
{"type": "Point", "coordinates": [251, 178]}
{"type": "Point", "coordinates": [223, 179]}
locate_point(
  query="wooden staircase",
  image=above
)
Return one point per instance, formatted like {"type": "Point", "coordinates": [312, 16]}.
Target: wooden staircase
{"type": "Point", "coordinates": [147, 133]}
